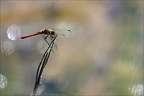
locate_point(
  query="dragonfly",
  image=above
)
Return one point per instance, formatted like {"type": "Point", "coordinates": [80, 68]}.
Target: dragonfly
{"type": "Point", "coordinates": [49, 33]}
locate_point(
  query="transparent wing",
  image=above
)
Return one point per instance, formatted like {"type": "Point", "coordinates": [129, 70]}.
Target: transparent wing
{"type": "Point", "coordinates": [63, 32]}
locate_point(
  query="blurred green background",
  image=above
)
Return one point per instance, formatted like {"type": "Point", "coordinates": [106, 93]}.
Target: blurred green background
{"type": "Point", "coordinates": [103, 56]}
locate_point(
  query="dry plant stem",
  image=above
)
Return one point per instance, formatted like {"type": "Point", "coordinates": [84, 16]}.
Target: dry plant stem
{"type": "Point", "coordinates": [42, 64]}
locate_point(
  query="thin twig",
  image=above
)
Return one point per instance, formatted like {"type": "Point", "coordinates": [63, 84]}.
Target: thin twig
{"type": "Point", "coordinates": [42, 65]}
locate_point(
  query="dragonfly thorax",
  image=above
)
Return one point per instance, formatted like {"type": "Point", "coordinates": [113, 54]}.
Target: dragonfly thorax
{"type": "Point", "coordinates": [48, 31]}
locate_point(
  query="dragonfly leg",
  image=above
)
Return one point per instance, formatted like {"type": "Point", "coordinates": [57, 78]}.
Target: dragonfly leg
{"type": "Point", "coordinates": [47, 41]}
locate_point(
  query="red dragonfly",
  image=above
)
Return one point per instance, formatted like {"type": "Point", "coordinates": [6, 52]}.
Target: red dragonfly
{"type": "Point", "coordinates": [48, 32]}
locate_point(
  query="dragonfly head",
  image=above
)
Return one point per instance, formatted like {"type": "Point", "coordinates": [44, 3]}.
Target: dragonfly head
{"type": "Point", "coordinates": [52, 32]}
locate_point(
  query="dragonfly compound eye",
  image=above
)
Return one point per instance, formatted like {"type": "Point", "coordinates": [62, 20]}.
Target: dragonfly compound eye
{"type": "Point", "coordinates": [52, 33]}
